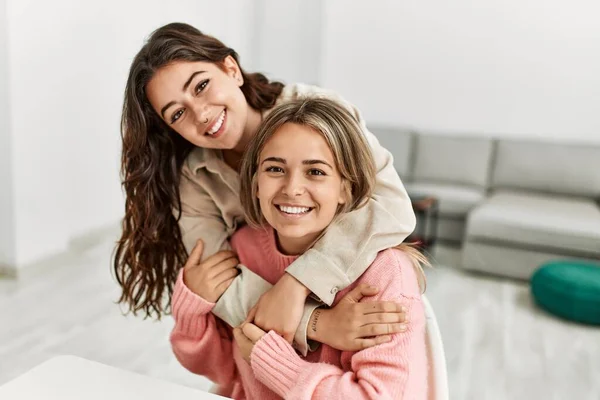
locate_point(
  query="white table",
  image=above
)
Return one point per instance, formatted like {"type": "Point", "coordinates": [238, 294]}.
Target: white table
{"type": "Point", "coordinates": [74, 378]}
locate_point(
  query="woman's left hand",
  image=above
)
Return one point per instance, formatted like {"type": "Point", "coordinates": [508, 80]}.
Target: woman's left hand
{"type": "Point", "coordinates": [246, 336]}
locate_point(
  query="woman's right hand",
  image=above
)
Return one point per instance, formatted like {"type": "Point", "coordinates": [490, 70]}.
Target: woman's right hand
{"type": "Point", "coordinates": [210, 278]}
{"type": "Point", "coordinates": [352, 326]}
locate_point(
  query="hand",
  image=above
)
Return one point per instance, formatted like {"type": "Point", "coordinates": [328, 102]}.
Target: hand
{"type": "Point", "coordinates": [281, 308]}
{"type": "Point", "coordinates": [209, 279]}
{"type": "Point", "coordinates": [354, 326]}
{"type": "Point", "coordinates": [246, 336]}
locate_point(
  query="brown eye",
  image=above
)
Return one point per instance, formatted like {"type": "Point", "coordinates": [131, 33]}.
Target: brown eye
{"type": "Point", "coordinates": [316, 172]}
{"type": "Point", "coordinates": [176, 116]}
{"type": "Point", "coordinates": [274, 169]}
{"type": "Point", "coordinates": [200, 86]}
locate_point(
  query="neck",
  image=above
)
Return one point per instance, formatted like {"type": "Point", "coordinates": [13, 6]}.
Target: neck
{"type": "Point", "coordinates": [295, 246]}
{"type": "Point", "coordinates": [252, 123]}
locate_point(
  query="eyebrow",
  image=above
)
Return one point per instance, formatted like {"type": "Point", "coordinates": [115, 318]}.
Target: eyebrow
{"type": "Point", "coordinates": [185, 86]}
{"type": "Point", "coordinates": [305, 162]}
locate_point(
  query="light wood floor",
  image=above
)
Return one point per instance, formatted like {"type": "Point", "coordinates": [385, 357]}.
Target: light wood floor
{"type": "Point", "coordinates": [498, 344]}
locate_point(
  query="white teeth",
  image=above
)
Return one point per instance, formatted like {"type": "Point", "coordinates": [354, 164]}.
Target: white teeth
{"type": "Point", "coordinates": [217, 124]}
{"type": "Point", "coordinates": [294, 210]}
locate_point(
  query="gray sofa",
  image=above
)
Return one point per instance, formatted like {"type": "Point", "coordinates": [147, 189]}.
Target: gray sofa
{"type": "Point", "coordinates": [509, 204]}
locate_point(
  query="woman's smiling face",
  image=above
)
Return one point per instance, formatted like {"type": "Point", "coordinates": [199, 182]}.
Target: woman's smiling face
{"type": "Point", "coordinates": [299, 186]}
{"type": "Point", "coordinates": [201, 101]}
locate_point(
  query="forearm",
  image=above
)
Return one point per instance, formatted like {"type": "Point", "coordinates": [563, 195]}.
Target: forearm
{"type": "Point", "coordinates": [277, 366]}
{"type": "Point", "coordinates": [245, 291]}
{"type": "Point", "coordinates": [314, 329]}
{"type": "Point", "coordinates": [197, 340]}
{"type": "Point", "coordinates": [348, 247]}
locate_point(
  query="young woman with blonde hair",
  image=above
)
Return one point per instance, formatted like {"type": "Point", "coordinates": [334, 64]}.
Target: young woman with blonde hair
{"type": "Point", "coordinates": [308, 167]}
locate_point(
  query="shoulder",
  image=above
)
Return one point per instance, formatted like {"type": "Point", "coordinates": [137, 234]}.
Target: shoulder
{"type": "Point", "coordinates": [189, 182]}
{"type": "Point", "coordinates": [297, 91]}
{"type": "Point", "coordinates": [394, 270]}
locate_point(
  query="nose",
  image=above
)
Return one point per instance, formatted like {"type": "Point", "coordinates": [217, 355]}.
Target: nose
{"type": "Point", "coordinates": [294, 185]}
{"type": "Point", "coordinates": [201, 116]}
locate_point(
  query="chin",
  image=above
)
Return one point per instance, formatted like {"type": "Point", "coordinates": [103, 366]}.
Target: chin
{"type": "Point", "coordinates": [293, 232]}
{"type": "Point", "coordinates": [299, 233]}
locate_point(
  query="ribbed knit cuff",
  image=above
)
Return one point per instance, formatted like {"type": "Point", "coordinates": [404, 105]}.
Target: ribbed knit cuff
{"type": "Point", "coordinates": [187, 307]}
{"type": "Point", "coordinates": [276, 364]}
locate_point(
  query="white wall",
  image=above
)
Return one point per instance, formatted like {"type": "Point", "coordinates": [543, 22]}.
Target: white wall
{"type": "Point", "coordinates": [69, 62]}
{"type": "Point", "coordinates": [288, 39]}
{"type": "Point", "coordinates": [7, 226]}
{"type": "Point", "coordinates": [503, 67]}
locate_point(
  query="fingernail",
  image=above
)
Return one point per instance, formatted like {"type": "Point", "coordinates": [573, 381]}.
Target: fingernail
{"type": "Point", "coordinates": [403, 327]}
{"type": "Point", "coordinates": [372, 287]}
{"type": "Point", "coordinates": [404, 309]}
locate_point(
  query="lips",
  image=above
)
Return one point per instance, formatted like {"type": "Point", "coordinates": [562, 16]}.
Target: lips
{"type": "Point", "coordinates": [217, 124]}
{"type": "Point", "coordinates": [294, 210]}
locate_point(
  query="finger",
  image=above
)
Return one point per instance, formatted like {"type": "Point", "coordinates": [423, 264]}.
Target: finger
{"type": "Point", "coordinates": [237, 331]}
{"type": "Point", "coordinates": [383, 317]}
{"type": "Point", "coordinates": [381, 306]}
{"type": "Point", "coordinates": [381, 329]}
{"type": "Point", "coordinates": [251, 314]}
{"type": "Point", "coordinates": [370, 342]}
{"type": "Point", "coordinates": [288, 336]}
{"type": "Point", "coordinates": [362, 290]}
{"type": "Point", "coordinates": [215, 270]}
{"type": "Point", "coordinates": [223, 286]}
{"type": "Point", "coordinates": [195, 255]}
{"type": "Point", "coordinates": [252, 332]}
{"type": "Point", "coordinates": [218, 257]}
{"type": "Point", "coordinates": [226, 274]}
{"type": "Point", "coordinates": [239, 337]}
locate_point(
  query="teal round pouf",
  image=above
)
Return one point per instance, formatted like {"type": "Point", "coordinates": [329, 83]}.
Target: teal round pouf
{"type": "Point", "coordinates": [569, 289]}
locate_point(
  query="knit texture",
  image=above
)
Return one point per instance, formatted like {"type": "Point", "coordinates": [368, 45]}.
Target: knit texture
{"type": "Point", "coordinates": [395, 370]}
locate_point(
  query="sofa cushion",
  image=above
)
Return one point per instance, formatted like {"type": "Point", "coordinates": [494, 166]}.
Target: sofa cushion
{"type": "Point", "coordinates": [452, 159]}
{"type": "Point", "coordinates": [526, 219]}
{"type": "Point", "coordinates": [453, 200]}
{"type": "Point", "coordinates": [548, 167]}
{"type": "Point", "coordinates": [399, 142]}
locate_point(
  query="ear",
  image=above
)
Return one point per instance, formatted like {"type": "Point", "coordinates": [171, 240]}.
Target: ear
{"type": "Point", "coordinates": [255, 184]}
{"type": "Point", "coordinates": [344, 192]}
{"type": "Point", "coordinates": [232, 69]}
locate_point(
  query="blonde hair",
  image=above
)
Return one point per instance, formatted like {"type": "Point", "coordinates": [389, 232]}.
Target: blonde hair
{"type": "Point", "coordinates": [418, 260]}
{"type": "Point", "coordinates": [351, 152]}
{"type": "Point", "coordinates": [344, 137]}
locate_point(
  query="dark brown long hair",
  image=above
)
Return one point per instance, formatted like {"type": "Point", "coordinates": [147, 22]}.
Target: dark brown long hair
{"type": "Point", "coordinates": [150, 251]}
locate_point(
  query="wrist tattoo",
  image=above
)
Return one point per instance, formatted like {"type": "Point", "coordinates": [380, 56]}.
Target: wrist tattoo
{"type": "Point", "coordinates": [314, 322]}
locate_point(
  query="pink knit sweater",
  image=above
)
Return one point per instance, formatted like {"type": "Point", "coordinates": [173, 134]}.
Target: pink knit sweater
{"type": "Point", "coordinates": [395, 370]}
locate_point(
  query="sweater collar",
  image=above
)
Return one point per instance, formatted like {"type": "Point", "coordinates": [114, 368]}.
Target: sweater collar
{"type": "Point", "coordinates": [269, 245]}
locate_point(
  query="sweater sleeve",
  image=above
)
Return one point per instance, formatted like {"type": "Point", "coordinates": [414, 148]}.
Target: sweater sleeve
{"type": "Point", "coordinates": [200, 342]}
{"type": "Point", "coordinates": [386, 371]}
{"type": "Point", "coordinates": [352, 242]}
